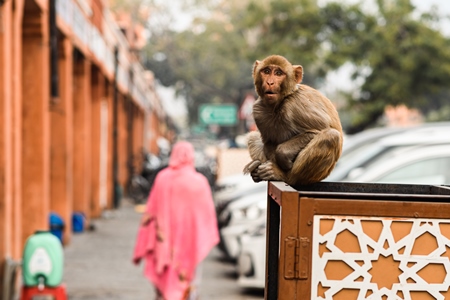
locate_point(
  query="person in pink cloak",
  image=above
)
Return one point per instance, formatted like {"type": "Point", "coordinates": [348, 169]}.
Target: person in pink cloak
{"type": "Point", "coordinates": [179, 227]}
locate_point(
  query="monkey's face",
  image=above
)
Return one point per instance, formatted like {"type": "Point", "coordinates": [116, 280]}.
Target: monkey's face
{"type": "Point", "coordinates": [272, 79]}
{"type": "Point", "coordinates": [276, 78]}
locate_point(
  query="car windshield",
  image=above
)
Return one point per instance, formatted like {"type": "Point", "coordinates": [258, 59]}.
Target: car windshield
{"type": "Point", "coordinates": [389, 152]}
{"type": "Point", "coordinates": [426, 164]}
{"type": "Point", "coordinates": [352, 153]}
{"type": "Point", "coordinates": [382, 155]}
{"type": "Point", "coordinates": [430, 171]}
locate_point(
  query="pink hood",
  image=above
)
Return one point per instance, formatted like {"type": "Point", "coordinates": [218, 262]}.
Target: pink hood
{"type": "Point", "coordinates": [182, 205]}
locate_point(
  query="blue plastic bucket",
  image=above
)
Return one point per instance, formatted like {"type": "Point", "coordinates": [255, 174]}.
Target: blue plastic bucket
{"type": "Point", "coordinates": [78, 220]}
{"type": "Point", "coordinates": [57, 226]}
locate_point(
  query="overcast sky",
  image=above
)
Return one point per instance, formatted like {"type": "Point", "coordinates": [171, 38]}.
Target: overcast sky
{"type": "Point", "coordinates": [443, 8]}
{"type": "Point", "coordinates": [423, 5]}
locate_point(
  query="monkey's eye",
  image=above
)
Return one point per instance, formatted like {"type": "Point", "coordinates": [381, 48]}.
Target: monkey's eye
{"type": "Point", "coordinates": [266, 71]}
{"type": "Point", "coordinates": [279, 73]}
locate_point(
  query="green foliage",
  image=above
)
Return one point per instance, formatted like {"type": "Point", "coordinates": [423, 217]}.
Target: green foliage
{"type": "Point", "coordinates": [408, 61]}
{"type": "Point", "coordinates": [206, 63]}
{"type": "Point", "coordinates": [398, 55]}
{"type": "Point", "coordinates": [443, 113]}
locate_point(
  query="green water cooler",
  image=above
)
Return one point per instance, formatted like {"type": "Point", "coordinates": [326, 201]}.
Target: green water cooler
{"type": "Point", "coordinates": [43, 260]}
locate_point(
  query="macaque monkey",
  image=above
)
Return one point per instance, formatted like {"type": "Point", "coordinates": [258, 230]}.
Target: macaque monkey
{"type": "Point", "coordinates": [300, 135]}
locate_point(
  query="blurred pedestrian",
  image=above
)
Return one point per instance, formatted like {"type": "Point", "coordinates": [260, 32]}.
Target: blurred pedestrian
{"type": "Point", "coordinates": [178, 228]}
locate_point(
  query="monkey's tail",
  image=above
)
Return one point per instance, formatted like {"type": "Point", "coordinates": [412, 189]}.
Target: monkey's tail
{"type": "Point", "coordinates": [316, 161]}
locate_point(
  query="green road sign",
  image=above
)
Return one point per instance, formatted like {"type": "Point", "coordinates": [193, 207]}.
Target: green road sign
{"type": "Point", "coordinates": [219, 114]}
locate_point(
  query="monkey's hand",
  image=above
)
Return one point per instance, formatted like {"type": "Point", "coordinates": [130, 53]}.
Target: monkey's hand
{"type": "Point", "coordinates": [248, 169]}
{"type": "Point", "coordinates": [267, 171]}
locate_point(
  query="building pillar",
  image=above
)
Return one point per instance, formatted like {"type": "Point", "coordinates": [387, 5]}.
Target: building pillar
{"type": "Point", "coordinates": [61, 164]}
{"type": "Point", "coordinates": [122, 141]}
{"type": "Point", "coordinates": [81, 135]}
{"type": "Point", "coordinates": [35, 121]}
{"type": "Point", "coordinates": [154, 130]}
{"type": "Point", "coordinates": [110, 182]}
{"type": "Point", "coordinates": [97, 118]}
{"type": "Point", "coordinates": [130, 136]}
{"type": "Point", "coordinates": [10, 133]}
{"type": "Point", "coordinates": [6, 138]}
{"type": "Point", "coordinates": [17, 84]}
{"type": "Point", "coordinates": [138, 138]}
{"type": "Point", "coordinates": [104, 169]}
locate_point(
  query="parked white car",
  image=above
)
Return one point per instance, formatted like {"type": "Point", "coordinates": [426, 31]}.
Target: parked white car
{"type": "Point", "coordinates": [233, 187]}
{"type": "Point", "coordinates": [251, 264]}
{"type": "Point", "coordinates": [242, 214]}
{"type": "Point", "coordinates": [364, 147]}
{"type": "Point", "coordinates": [427, 164]}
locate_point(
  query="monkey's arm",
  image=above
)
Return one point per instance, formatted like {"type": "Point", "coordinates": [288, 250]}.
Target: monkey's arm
{"type": "Point", "coordinates": [255, 146]}
{"type": "Point", "coordinates": [286, 153]}
{"type": "Point", "coordinates": [256, 151]}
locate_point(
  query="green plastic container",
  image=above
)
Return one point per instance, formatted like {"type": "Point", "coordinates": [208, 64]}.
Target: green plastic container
{"type": "Point", "coordinates": [42, 258]}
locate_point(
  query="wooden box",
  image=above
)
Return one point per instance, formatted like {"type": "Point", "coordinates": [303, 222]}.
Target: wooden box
{"type": "Point", "coordinates": [345, 241]}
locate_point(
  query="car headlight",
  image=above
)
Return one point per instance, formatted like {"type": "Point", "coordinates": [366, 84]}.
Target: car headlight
{"type": "Point", "coordinates": [253, 212]}
{"type": "Point", "coordinates": [248, 213]}
{"type": "Point", "coordinates": [239, 214]}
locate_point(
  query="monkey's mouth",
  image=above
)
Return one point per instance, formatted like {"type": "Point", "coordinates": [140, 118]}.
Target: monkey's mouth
{"type": "Point", "coordinates": [271, 96]}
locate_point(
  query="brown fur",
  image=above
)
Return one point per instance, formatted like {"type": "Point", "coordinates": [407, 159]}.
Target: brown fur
{"type": "Point", "coordinates": [300, 135]}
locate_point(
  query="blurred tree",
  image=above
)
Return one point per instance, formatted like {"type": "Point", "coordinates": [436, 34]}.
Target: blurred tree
{"type": "Point", "coordinates": [206, 63]}
{"type": "Point", "coordinates": [286, 27]}
{"type": "Point", "coordinates": [398, 55]}
{"type": "Point", "coordinates": [400, 58]}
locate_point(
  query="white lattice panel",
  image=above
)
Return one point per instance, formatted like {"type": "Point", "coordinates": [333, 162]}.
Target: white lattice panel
{"type": "Point", "coordinates": [380, 258]}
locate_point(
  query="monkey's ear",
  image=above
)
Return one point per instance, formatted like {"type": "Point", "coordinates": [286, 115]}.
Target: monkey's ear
{"type": "Point", "coordinates": [255, 65]}
{"type": "Point", "coordinates": [298, 71]}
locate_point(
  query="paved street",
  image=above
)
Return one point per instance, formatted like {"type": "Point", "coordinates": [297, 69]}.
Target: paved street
{"type": "Point", "coordinates": [98, 265]}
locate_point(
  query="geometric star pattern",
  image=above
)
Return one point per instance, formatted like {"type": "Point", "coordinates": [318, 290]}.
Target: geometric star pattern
{"type": "Point", "coordinates": [380, 258]}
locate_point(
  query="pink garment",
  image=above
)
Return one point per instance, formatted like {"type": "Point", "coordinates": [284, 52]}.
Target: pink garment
{"type": "Point", "coordinates": [182, 205]}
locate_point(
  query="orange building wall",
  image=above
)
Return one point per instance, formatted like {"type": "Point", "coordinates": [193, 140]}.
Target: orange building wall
{"type": "Point", "coordinates": [97, 98]}
{"type": "Point", "coordinates": [138, 138]}
{"type": "Point", "coordinates": [35, 123]}
{"type": "Point", "coordinates": [97, 14]}
{"type": "Point", "coordinates": [61, 162]}
{"type": "Point", "coordinates": [154, 133]}
{"type": "Point", "coordinates": [82, 136]}
{"type": "Point", "coordinates": [110, 176]}
{"type": "Point", "coordinates": [6, 136]}
{"type": "Point", "coordinates": [16, 99]}
{"type": "Point", "coordinates": [57, 154]}
{"type": "Point", "coordinates": [122, 142]}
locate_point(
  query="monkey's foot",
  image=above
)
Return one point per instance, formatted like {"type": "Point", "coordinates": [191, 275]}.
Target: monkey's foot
{"type": "Point", "coordinates": [265, 172]}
